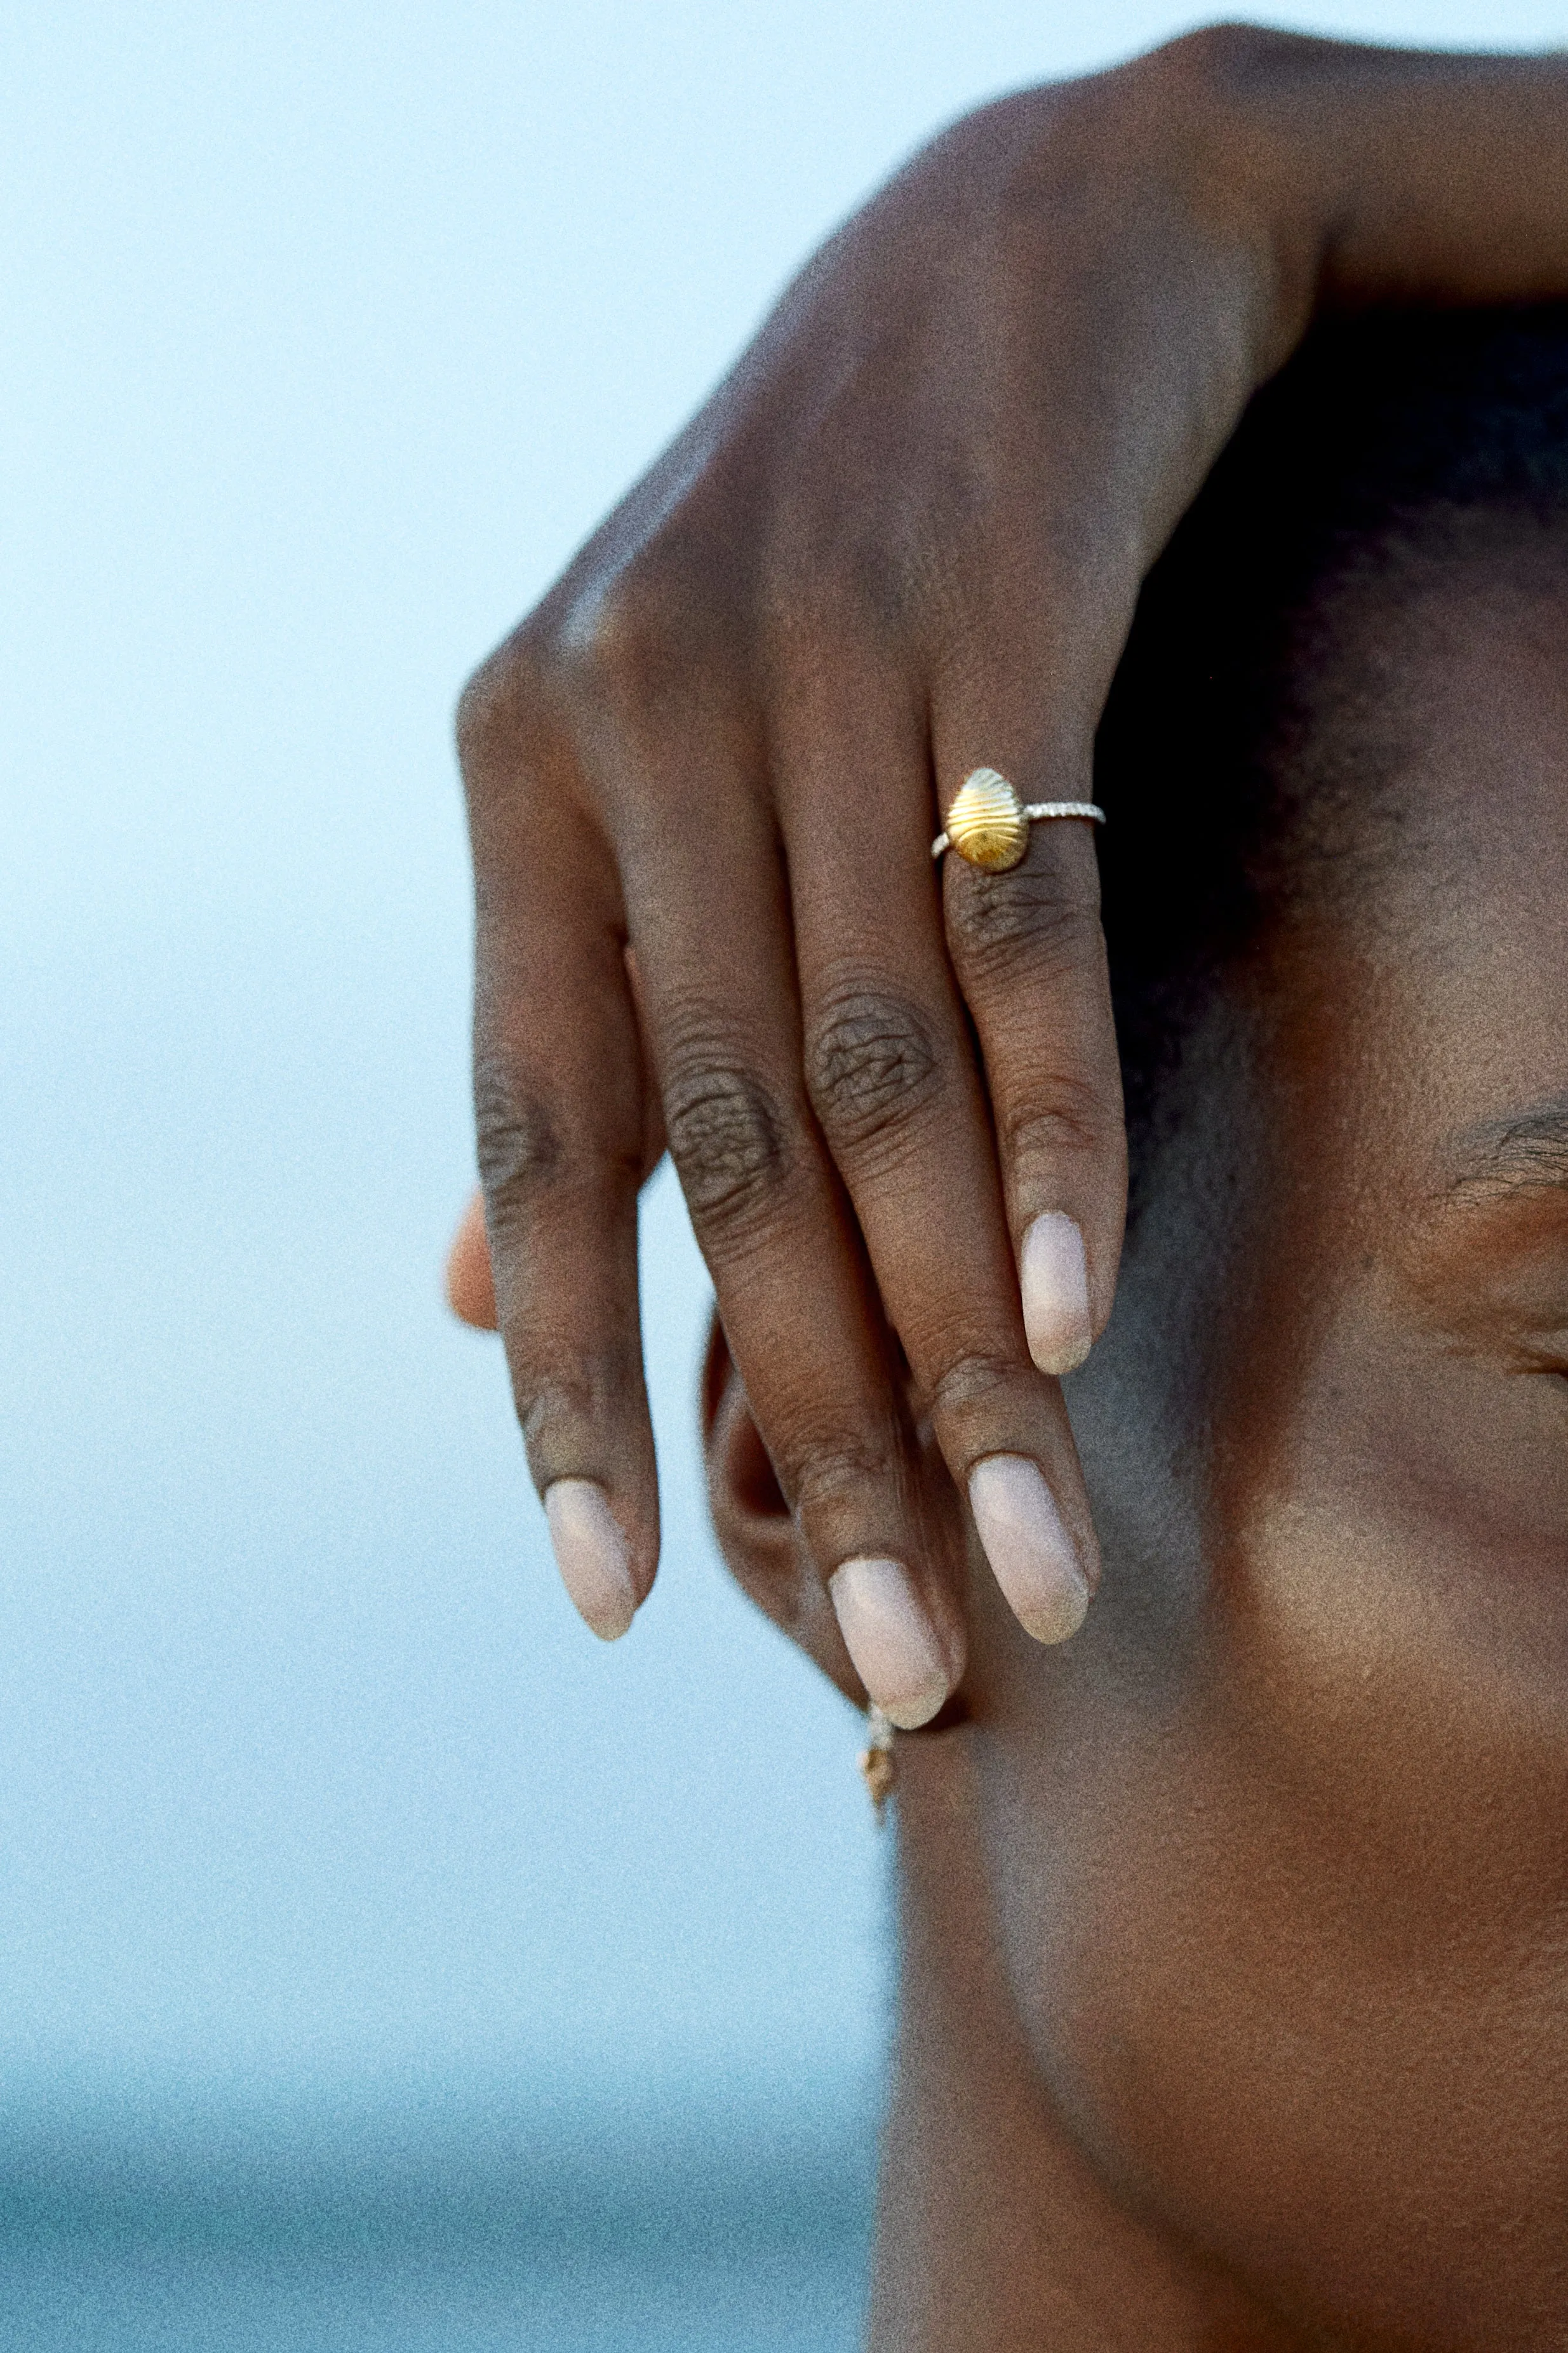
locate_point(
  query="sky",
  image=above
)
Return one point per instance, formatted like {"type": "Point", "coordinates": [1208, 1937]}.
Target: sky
{"type": "Point", "coordinates": [330, 333]}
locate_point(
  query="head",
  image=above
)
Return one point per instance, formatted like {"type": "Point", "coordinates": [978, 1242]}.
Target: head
{"type": "Point", "coordinates": [1276, 1849]}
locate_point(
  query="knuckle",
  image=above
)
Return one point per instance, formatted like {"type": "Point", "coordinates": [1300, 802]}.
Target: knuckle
{"type": "Point", "coordinates": [970, 1381]}
{"type": "Point", "coordinates": [618, 645]}
{"type": "Point", "coordinates": [727, 1141]}
{"type": "Point", "coordinates": [1064, 1117]}
{"type": "Point", "coordinates": [521, 1151]}
{"type": "Point", "coordinates": [870, 1065]}
{"type": "Point", "coordinates": [633, 646]}
{"type": "Point", "coordinates": [615, 640]}
{"type": "Point", "coordinates": [566, 1397]}
{"type": "Point", "coordinates": [822, 1471]}
{"type": "Point", "coordinates": [474, 720]}
{"type": "Point", "coordinates": [551, 1402]}
{"type": "Point", "coordinates": [501, 704]}
{"type": "Point", "coordinates": [998, 925]}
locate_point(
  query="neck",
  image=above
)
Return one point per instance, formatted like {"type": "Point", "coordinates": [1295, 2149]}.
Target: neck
{"type": "Point", "coordinates": [995, 2233]}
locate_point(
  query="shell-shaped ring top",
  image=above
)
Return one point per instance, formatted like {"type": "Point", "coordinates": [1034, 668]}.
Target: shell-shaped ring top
{"type": "Point", "coordinates": [989, 825]}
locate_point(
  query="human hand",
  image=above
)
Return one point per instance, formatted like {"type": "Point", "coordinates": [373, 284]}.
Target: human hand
{"type": "Point", "coordinates": [905, 539]}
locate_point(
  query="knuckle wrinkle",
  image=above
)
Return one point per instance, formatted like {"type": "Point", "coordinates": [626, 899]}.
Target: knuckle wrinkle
{"type": "Point", "coordinates": [727, 1143]}
{"type": "Point", "coordinates": [998, 922]}
{"type": "Point", "coordinates": [497, 708]}
{"type": "Point", "coordinates": [972, 1380]}
{"type": "Point", "coordinates": [837, 1471]}
{"type": "Point", "coordinates": [1066, 1117]}
{"type": "Point", "coordinates": [520, 1146]}
{"type": "Point", "coordinates": [870, 1063]}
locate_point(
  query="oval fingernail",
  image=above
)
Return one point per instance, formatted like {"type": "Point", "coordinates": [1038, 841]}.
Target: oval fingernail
{"type": "Point", "coordinates": [889, 1633]}
{"type": "Point", "coordinates": [1030, 1552]}
{"type": "Point", "coordinates": [1053, 1274]}
{"type": "Point", "coordinates": [593, 1555]}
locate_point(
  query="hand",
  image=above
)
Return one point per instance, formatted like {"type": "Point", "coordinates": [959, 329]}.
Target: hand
{"type": "Point", "coordinates": [904, 539]}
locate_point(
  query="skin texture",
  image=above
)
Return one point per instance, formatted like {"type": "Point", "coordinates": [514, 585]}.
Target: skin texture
{"type": "Point", "coordinates": [906, 537]}
{"type": "Point", "coordinates": [1235, 2004]}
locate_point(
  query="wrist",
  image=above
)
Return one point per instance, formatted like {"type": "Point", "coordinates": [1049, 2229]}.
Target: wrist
{"type": "Point", "coordinates": [1244, 127]}
{"type": "Point", "coordinates": [1386, 176]}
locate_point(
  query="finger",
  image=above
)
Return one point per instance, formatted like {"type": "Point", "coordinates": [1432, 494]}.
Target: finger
{"type": "Point", "coordinates": [1030, 958]}
{"type": "Point", "coordinates": [893, 1077]}
{"type": "Point", "coordinates": [560, 1104]}
{"type": "Point", "coordinates": [709, 921]}
{"type": "Point", "coordinates": [1018, 688]}
{"type": "Point", "coordinates": [1029, 955]}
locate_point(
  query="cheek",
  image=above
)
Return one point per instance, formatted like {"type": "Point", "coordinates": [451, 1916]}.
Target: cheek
{"type": "Point", "coordinates": [1290, 1956]}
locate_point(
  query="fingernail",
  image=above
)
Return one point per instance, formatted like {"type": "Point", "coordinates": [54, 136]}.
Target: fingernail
{"type": "Point", "coordinates": [1030, 1552]}
{"type": "Point", "coordinates": [593, 1555]}
{"type": "Point", "coordinates": [1054, 1276]}
{"type": "Point", "coordinates": [890, 1637]}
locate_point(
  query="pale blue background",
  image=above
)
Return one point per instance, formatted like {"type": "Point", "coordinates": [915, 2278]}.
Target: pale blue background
{"type": "Point", "coordinates": [330, 331]}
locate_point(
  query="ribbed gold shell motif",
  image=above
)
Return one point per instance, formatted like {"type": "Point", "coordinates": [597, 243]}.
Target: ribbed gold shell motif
{"type": "Point", "coordinates": [986, 823]}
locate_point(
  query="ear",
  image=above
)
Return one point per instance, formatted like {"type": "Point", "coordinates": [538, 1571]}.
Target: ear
{"type": "Point", "coordinates": [754, 1526]}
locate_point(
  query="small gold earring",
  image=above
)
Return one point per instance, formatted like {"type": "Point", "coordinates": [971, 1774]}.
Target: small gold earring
{"type": "Point", "coordinates": [878, 1766]}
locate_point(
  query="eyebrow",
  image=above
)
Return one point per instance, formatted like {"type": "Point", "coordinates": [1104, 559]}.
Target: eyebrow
{"type": "Point", "coordinates": [1523, 1151]}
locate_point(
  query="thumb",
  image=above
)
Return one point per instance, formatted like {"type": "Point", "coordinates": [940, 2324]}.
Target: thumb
{"type": "Point", "coordinates": [470, 1294]}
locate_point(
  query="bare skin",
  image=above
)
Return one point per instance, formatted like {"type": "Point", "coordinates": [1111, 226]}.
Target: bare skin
{"type": "Point", "coordinates": [903, 538]}
{"type": "Point", "coordinates": [1235, 2009]}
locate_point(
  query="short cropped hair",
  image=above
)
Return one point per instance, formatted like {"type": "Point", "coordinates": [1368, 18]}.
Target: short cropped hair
{"type": "Point", "coordinates": [1245, 727]}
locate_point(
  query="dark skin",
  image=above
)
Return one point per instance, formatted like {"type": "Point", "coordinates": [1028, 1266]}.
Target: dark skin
{"type": "Point", "coordinates": [1235, 2000]}
{"type": "Point", "coordinates": [904, 538]}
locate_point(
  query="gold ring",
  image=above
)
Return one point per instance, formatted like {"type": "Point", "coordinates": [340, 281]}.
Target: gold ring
{"type": "Point", "coordinates": [989, 825]}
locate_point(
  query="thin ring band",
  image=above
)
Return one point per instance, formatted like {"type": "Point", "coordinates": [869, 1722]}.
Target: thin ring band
{"type": "Point", "coordinates": [1032, 810]}
{"type": "Point", "coordinates": [988, 824]}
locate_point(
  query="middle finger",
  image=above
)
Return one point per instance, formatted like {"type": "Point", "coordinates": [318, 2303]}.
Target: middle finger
{"type": "Point", "coordinates": [709, 918]}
